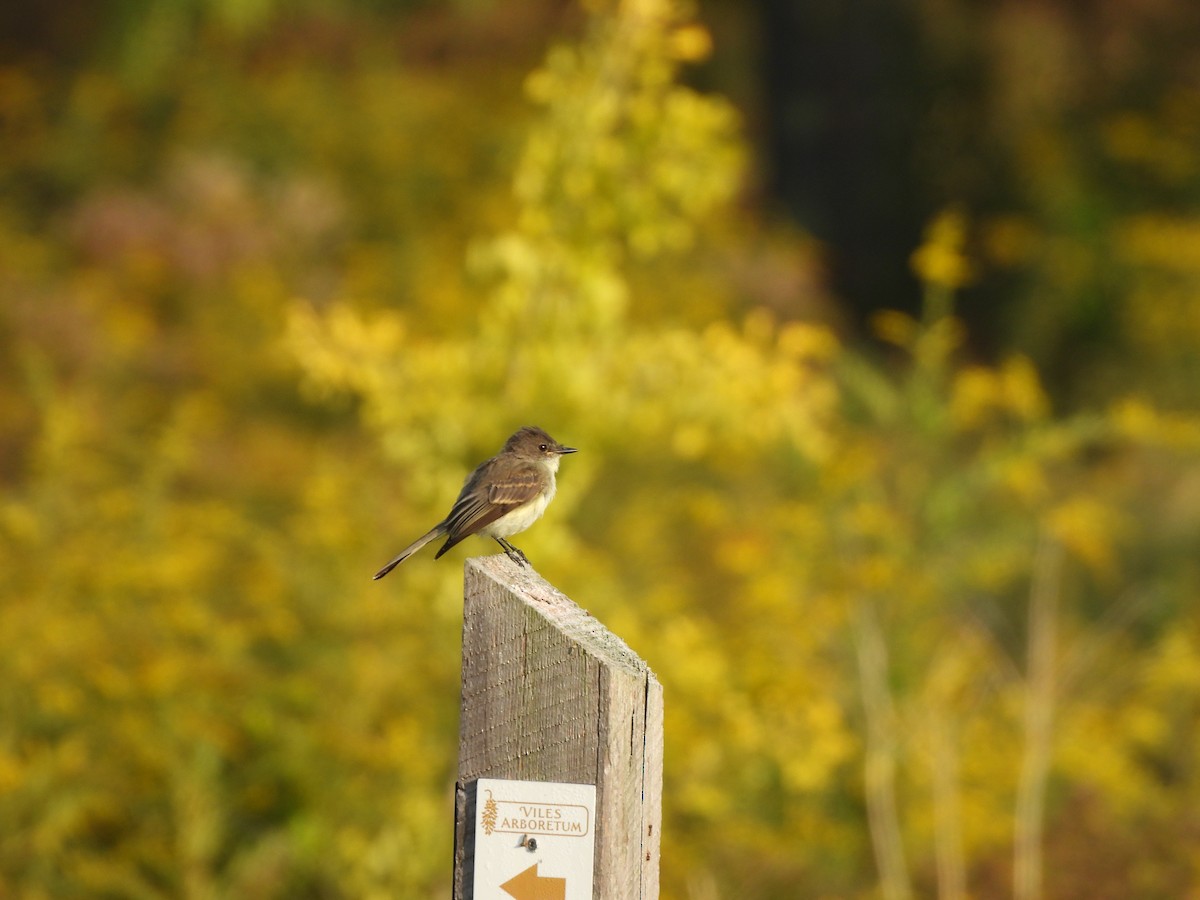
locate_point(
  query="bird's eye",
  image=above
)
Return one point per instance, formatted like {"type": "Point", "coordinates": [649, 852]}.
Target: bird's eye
{"type": "Point", "coordinates": [542, 447]}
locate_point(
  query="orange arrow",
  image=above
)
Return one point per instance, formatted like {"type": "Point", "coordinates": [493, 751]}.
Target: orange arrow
{"type": "Point", "coordinates": [529, 886]}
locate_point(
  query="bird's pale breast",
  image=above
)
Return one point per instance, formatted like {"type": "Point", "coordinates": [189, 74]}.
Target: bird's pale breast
{"type": "Point", "coordinates": [522, 517]}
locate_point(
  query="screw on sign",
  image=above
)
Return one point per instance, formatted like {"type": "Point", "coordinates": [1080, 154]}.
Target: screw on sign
{"type": "Point", "coordinates": [528, 885]}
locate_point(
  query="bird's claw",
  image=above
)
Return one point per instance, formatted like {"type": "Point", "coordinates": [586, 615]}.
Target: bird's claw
{"type": "Point", "coordinates": [514, 554]}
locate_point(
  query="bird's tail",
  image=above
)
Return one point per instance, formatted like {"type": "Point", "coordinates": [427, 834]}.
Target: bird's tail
{"type": "Point", "coordinates": [432, 535]}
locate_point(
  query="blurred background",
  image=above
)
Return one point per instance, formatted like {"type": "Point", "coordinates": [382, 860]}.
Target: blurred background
{"type": "Point", "coordinates": [878, 327]}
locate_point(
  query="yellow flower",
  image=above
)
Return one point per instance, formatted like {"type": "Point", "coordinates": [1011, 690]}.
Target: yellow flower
{"type": "Point", "coordinates": [895, 327]}
{"type": "Point", "coordinates": [691, 43]}
{"type": "Point", "coordinates": [1023, 394]}
{"type": "Point", "coordinates": [974, 396]}
{"type": "Point", "coordinates": [940, 260]}
{"type": "Point", "coordinates": [1087, 528]}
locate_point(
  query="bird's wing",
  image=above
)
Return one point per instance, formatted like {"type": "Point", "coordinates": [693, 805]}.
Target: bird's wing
{"type": "Point", "coordinates": [477, 509]}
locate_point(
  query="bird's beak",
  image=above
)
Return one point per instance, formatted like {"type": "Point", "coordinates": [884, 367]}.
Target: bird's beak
{"type": "Point", "coordinates": [562, 450]}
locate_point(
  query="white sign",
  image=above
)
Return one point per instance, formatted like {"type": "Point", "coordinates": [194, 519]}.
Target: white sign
{"type": "Point", "coordinates": [534, 840]}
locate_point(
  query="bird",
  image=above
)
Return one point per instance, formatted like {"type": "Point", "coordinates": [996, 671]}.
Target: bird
{"type": "Point", "coordinates": [502, 497]}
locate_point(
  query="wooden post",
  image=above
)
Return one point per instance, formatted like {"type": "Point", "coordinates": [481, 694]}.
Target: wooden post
{"type": "Point", "coordinates": [549, 694]}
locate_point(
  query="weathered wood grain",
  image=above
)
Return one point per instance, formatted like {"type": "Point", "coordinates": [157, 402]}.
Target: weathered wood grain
{"type": "Point", "coordinates": [549, 694]}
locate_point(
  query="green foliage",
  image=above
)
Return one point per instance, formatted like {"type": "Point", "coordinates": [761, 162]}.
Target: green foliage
{"type": "Point", "coordinates": [1100, 147]}
{"type": "Point", "coordinates": [250, 351]}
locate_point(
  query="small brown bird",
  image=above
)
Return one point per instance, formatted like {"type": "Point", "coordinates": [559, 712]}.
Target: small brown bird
{"type": "Point", "coordinates": [502, 497]}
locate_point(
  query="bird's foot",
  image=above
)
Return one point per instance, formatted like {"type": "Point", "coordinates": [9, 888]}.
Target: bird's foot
{"type": "Point", "coordinates": [513, 553]}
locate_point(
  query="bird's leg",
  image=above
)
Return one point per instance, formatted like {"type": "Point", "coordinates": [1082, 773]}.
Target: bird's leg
{"type": "Point", "coordinates": [512, 552]}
